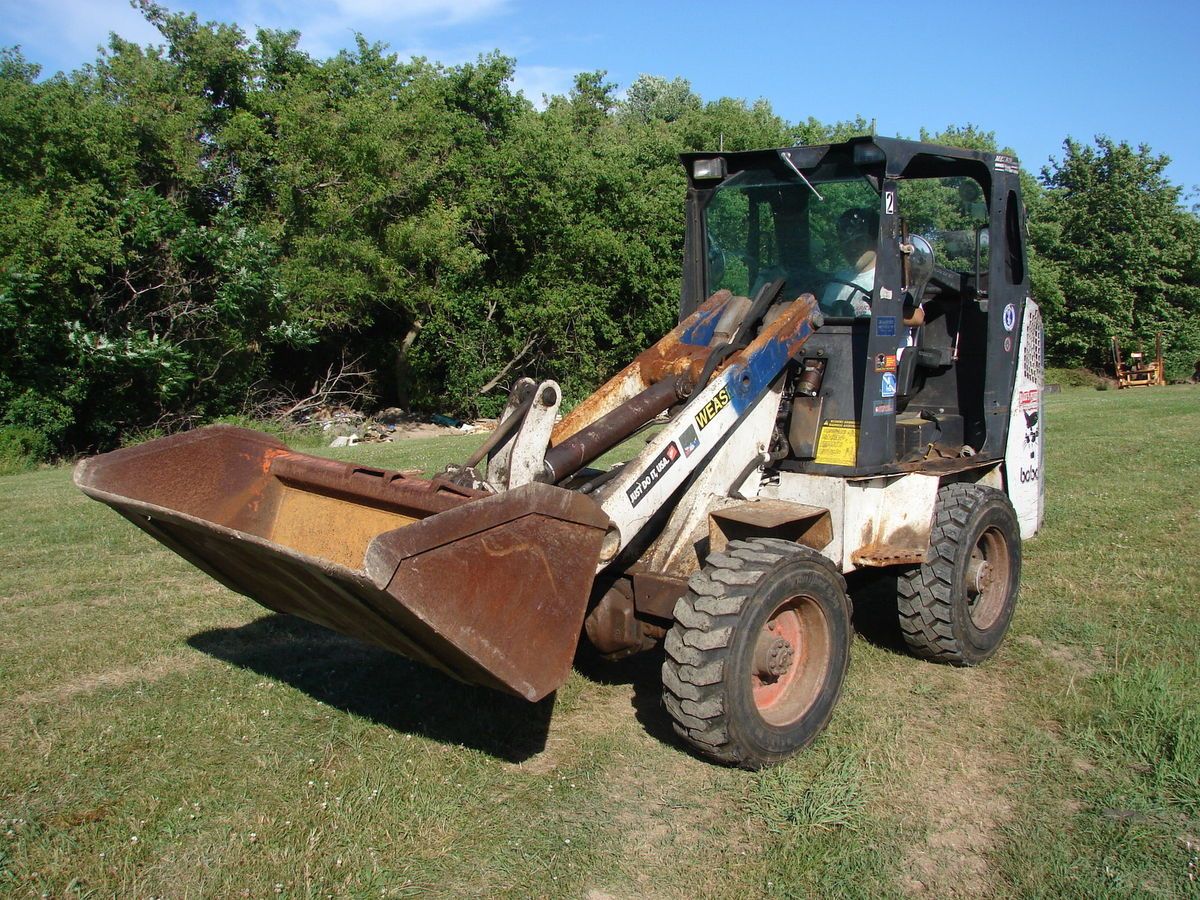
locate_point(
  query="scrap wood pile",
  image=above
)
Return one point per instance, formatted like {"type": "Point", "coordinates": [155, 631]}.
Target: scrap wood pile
{"type": "Point", "coordinates": [347, 427]}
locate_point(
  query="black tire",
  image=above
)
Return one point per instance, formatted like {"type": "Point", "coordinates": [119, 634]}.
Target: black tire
{"type": "Point", "coordinates": [956, 607]}
{"type": "Point", "coordinates": [758, 652]}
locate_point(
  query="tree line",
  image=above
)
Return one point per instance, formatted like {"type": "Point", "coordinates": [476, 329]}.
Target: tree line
{"type": "Point", "coordinates": [223, 225]}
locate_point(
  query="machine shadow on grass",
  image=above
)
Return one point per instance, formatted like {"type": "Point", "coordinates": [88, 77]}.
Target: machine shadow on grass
{"type": "Point", "coordinates": [382, 686]}
{"type": "Point", "coordinates": [411, 698]}
{"type": "Point", "coordinates": [875, 613]}
{"type": "Point", "coordinates": [643, 673]}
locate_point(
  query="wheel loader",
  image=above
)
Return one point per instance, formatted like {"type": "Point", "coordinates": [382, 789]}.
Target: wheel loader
{"type": "Point", "coordinates": [855, 382]}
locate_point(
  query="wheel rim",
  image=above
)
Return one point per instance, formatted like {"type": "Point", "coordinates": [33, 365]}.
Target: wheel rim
{"type": "Point", "coordinates": [791, 659]}
{"type": "Point", "coordinates": [987, 578]}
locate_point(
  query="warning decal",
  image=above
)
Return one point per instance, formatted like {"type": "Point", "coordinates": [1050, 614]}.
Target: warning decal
{"type": "Point", "coordinates": [838, 443]}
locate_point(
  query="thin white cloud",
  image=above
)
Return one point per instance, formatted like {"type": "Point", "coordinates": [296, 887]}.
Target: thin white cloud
{"type": "Point", "coordinates": [538, 83]}
{"type": "Point", "coordinates": [360, 15]}
{"type": "Point", "coordinates": [64, 34]}
{"type": "Point", "coordinates": [327, 27]}
{"type": "Point", "coordinates": [430, 12]}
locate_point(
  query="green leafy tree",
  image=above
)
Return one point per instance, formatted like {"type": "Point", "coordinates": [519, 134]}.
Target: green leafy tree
{"type": "Point", "coordinates": [1124, 254]}
{"type": "Point", "coordinates": [652, 98]}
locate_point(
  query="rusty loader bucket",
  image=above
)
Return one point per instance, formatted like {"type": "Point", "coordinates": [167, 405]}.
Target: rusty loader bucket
{"type": "Point", "coordinates": [489, 588]}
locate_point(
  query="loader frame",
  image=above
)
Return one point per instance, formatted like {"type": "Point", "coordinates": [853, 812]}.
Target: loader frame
{"type": "Point", "coordinates": [794, 445]}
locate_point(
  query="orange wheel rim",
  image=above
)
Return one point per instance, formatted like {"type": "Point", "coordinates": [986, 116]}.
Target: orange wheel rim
{"type": "Point", "coordinates": [987, 578]}
{"type": "Point", "coordinates": [791, 658]}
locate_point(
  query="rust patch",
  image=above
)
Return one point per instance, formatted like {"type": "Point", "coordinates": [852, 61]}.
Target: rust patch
{"type": "Point", "coordinates": [811, 526]}
{"type": "Point", "coordinates": [878, 555]}
{"type": "Point", "coordinates": [667, 358]}
{"type": "Point", "coordinates": [270, 456]}
{"type": "Point", "coordinates": [655, 593]}
{"type": "Point", "coordinates": [901, 546]}
{"type": "Point", "coordinates": [789, 329]}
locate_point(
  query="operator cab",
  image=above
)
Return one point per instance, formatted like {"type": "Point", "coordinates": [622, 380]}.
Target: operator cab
{"type": "Point", "coordinates": [915, 255]}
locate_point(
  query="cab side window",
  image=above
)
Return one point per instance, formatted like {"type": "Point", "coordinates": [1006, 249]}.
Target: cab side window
{"type": "Point", "coordinates": [950, 213]}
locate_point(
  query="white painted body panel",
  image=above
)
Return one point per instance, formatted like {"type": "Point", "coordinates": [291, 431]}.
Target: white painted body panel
{"type": "Point", "coordinates": [1024, 469]}
{"type": "Point", "coordinates": [633, 497]}
{"type": "Point", "coordinates": [888, 509]}
{"type": "Point", "coordinates": [826, 491]}
{"type": "Point", "coordinates": [733, 475]}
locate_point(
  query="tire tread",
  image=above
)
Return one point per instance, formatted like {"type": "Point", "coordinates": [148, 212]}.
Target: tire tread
{"type": "Point", "coordinates": [698, 644]}
{"type": "Point", "coordinates": [925, 594]}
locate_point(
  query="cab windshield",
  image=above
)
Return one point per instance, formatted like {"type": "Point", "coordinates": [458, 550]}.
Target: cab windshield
{"type": "Point", "coordinates": [762, 227]}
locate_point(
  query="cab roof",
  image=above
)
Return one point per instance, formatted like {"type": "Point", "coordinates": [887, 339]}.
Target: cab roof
{"type": "Point", "coordinates": [868, 155]}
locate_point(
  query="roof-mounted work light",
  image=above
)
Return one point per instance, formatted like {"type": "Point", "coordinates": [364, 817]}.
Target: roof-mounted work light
{"type": "Point", "coordinates": [708, 169]}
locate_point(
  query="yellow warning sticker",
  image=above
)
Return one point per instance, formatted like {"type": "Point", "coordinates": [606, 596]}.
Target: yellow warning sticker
{"type": "Point", "coordinates": [838, 444]}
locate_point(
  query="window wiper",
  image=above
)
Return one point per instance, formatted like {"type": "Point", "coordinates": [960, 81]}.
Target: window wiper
{"type": "Point", "coordinates": [791, 165]}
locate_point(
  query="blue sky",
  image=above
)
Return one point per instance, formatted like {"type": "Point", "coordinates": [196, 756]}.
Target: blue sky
{"type": "Point", "coordinates": [1031, 72]}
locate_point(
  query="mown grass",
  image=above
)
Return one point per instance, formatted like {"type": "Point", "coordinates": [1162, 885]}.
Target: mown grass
{"type": "Point", "coordinates": [162, 736]}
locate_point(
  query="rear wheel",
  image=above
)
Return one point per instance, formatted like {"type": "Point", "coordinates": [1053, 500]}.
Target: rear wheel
{"type": "Point", "coordinates": [957, 606]}
{"type": "Point", "coordinates": [758, 652]}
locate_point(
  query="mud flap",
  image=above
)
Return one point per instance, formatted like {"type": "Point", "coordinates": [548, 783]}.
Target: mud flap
{"type": "Point", "coordinates": [490, 589]}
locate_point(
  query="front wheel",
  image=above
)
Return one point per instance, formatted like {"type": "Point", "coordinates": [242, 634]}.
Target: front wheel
{"type": "Point", "coordinates": [956, 607]}
{"type": "Point", "coordinates": [758, 653]}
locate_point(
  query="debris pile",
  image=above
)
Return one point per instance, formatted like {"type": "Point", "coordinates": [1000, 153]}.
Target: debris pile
{"type": "Point", "coordinates": [347, 427]}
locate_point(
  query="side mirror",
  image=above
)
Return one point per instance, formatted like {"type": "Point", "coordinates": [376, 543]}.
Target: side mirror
{"type": "Point", "coordinates": [920, 266]}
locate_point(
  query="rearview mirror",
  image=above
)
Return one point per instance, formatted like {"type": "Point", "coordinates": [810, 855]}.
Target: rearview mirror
{"type": "Point", "coordinates": [920, 266]}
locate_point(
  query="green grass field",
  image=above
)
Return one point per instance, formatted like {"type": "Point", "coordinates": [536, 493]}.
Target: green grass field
{"type": "Point", "coordinates": [161, 736]}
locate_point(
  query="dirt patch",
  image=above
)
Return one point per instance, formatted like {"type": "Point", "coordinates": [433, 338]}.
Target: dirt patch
{"type": "Point", "coordinates": [663, 805]}
{"type": "Point", "coordinates": [1067, 657]}
{"type": "Point", "coordinates": [88, 816]}
{"type": "Point", "coordinates": [149, 671]}
{"type": "Point", "coordinates": [658, 808]}
{"type": "Point", "coordinates": [409, 430]}
{"type": "Point", "coordinates": [954, 786]}
{"type": "Point", "coordinates": [966, 808]}
{"type": "Point", "coordinates": [572, 731]}
{"type": "Point", "coordinates": [405, 429]}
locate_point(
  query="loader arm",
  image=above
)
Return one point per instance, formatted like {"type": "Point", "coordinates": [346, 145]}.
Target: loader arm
{"type": "Point", "coordinates": [713, 416]}
{"type": "Point", "coordinates": [528, 446]}
{"type": "Point", "coordinates": [679, 351]}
